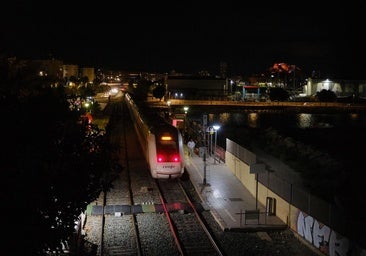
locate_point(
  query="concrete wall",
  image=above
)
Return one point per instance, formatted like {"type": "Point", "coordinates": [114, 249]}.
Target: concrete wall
{"type": "Point", "coordinates": [242, 172]}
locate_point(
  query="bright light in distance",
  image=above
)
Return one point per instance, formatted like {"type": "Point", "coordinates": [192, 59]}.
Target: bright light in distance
{"type": "Point", "coordinates": [216, 127]}
{"type": "Point", "coordinates": [113, 91]}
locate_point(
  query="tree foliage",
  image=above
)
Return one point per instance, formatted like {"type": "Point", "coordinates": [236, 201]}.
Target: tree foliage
{"type": "Point", "coordinates": [326, 96]}
{"type": "Point", "coordinates": [279, 94]}
{"type": "Point", "coordinates": [159, 91]}
{"type": "Point", "coordinates": [52, 165]}
{"type": "Point", "coordinates": [140, 87]}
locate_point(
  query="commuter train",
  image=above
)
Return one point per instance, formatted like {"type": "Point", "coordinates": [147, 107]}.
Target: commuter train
{"type": "Point", "coordinates": [161, 142]}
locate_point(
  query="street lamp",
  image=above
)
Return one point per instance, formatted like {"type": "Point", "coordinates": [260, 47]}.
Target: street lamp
{"type": "Point", "coordinates": [168, 104]}
{"type": "Point", "coordinates": [216, 128]}
{"type": "Point", "coordinates": [211, 133]}
{"type": "Point", "coordinates": [87, 106]}
{"type": "Point", "coordinates": [185, 108]}
{"type": "Point", "coordinates": [204, 122]}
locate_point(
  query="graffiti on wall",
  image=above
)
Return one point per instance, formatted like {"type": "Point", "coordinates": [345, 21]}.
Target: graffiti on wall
{"type": "Point", "coordinates": [322, 237]}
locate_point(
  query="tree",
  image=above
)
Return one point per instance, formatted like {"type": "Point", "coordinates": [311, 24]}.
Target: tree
{"type": "Point", "coordinates": [51, 168]}
{"type": "Point", "coordinates": [84, 80]}
{"type": "Point", "coordinates": [140, 88]}
{"type": "Point", "coordinates": [326, 96]}
{"type": "Point", "coordinates": [278, 94]}
{"type": "Point", "coordinates": [159, 91]}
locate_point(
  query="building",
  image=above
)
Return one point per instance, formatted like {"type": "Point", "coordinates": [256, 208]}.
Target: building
{"type": "Point", "coordinates": [193, 87]}
{"type": "Point", "coordinates": [70, 70]}
{"type": "Point", "coordinates": [342, 88]}
{"type": "Point", "coordinates": [87, 72]}
{"type": "Point", "coordinates": [48, 67]}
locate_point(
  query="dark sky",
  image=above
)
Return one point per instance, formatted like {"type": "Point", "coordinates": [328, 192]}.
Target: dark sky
{"type": "Point", "coordinates": [186, 38]}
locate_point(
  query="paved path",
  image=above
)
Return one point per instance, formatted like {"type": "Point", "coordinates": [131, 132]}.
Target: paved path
{"type": "Point", "coordinates": [226, 197]}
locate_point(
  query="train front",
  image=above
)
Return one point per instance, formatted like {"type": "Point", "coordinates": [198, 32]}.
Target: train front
{"type": "Point", "coordinates": [167, 159]}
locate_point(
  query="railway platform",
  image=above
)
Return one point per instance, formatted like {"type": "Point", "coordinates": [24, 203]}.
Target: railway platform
{"type": "Point", "coordinates": [230, 203]}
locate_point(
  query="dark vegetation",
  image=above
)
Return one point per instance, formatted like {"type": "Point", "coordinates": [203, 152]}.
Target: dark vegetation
{"type": "Point", "coordinates": [159, 91]}
{"type": "Point", "coordinates": [53, 162]}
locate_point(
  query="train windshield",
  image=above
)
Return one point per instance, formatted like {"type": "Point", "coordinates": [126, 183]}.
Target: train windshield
{"type": "Point", "coordinates": [167, 149]}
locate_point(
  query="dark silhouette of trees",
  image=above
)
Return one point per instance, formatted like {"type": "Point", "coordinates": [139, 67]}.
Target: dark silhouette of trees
{"type": "Point", "coordinates": [51, 165]}
{"type": "Point", "coordinates": [86, 91]}
{"type": "Point", "coordinates": [278, 93]}
{"type": "Point", "coordinates": [326, 96]}
{"type": "Point", "coordinates": [159, 91]}
{"type": "Point", "coordinates": [139, 87]}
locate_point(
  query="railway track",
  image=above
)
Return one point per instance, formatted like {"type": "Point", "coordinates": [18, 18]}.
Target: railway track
{"type": "Point", "coordinates": [190, 232]}
{"type": "Point", "coordinates": [109, 213]}
{"type": "Point", "coordinates": [129, 219]}
{"type": "Point", "coordinates": [120, 195]}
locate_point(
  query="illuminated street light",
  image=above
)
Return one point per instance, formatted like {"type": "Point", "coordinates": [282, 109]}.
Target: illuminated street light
{"type": "Point", "coordinates": [87, 105]}
{"type": "Point", "coordinates": [216, 128]}
{"type": "Point", "coordinates": [211, 131]}
{"type": "Point", "coordinates": [185, 118]}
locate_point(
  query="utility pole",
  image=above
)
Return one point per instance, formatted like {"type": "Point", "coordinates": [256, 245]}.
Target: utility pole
{"type": "Point", "coordinates": [204, 119]}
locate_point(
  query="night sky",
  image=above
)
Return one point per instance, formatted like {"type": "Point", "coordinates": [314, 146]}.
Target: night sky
{"type": "Point", "coordinates": [188, 38]}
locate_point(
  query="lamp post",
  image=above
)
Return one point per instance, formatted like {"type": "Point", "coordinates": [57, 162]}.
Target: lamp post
{"type": "Point", "coordinates": [168, 104]}
{"type": "Point", "coordinates": [204, 121]}
{"type": "Point", "coordinates": [216, 128]}
{"type": "Point", "coordinates": [211, 133]}
{"type": "Point", "coordinates": [185, 108]}
{"type": "Point", "coordinates": [87, 105]}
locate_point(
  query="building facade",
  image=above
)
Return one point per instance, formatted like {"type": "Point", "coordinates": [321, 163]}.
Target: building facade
{"type": "Point", "coordinates": [342, 88]}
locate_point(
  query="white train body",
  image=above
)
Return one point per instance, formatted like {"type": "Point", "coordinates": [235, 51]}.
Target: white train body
{"type": "Point", "coordinates": [161, 142]}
